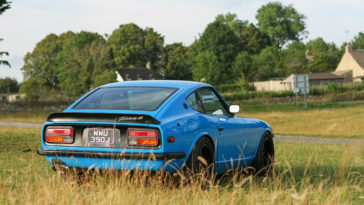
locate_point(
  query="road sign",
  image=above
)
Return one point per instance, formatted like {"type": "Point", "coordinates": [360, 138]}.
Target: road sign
{"type": "Point", "coordinates": [301, 86]}
{"type": "Point", "coordinates": [301, 83]}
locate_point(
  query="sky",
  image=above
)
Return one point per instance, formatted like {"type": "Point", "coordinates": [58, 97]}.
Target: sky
{"type": "Point", "coordinates": [28, 22]}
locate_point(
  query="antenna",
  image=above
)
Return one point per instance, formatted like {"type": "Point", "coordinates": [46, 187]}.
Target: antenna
{"type": "Point", "coordinates": [346, 36]}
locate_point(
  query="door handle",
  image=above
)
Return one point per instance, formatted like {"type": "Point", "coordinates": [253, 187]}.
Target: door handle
{"type": "Point", "coordinates": [220, 128]}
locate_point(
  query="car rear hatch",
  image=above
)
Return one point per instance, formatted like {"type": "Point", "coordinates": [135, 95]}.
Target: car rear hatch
{"type": "Point", "coordinates": [100, 130]}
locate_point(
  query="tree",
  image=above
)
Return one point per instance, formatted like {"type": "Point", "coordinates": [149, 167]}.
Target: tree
{"type": "Point", "coordinates": [253, 40]}
{"type": "Point", "coordinates": [268, 62]}
{"type": "Point", "coordinates": [358, 41]}
{"type": "Point", "coordinates": [244, 64]}
{"type": "Point", "coordinates": [85, 62]}
{"type": "Point", "coordinates": [325, 56]}
{"type": "Point", "coordinates": [4, 62]}
{"type": "Point", "coordinates": [127, 44]}
{"type": "Point", "coordinates": [233, 22]}
{"type": "Point", "coordinates": [153, 45]}
{"type": "Point", "coordinates": [294, 58]}
{"type": "Point", "coordinates": [206, 68]}
{"type": "Point", "coordinates": [33, 89]}
{"type": "Point", "coordinates": [8, 85]}
{"type": "Point", "coordinates": [134, 47]}
{"type": "Point", "coordinates": [217, 41]}
{"type": "Point", "coordinates": [41, 62]}
{"type": "Point", "coordinates": [4, 5]}
{"type": "Point", "coordinates": [281, 23]}
{"type": "Point", "coordinates": [174, 62]}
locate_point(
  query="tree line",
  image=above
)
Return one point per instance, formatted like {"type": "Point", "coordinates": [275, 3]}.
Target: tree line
{"type": "Point", "coordinates": [4, 5]}
{"type": "Point", "coordinates": [229, 50]}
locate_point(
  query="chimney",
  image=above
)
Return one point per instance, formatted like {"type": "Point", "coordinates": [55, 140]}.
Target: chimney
{"type": "Point", "coordinates": [308, 56]}
{"type": "Point", "coordinates": [148, 65]}
{"type": "Point", "coordinates": [347, 48]}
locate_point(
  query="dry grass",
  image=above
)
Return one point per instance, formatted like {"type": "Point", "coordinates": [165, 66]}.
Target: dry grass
{"type": "Point", "coordinates": [304, 174]}
{"type": "Point", "coordinates": [25, 116]}
{"type": "Point", "coordinates": [339, 122]}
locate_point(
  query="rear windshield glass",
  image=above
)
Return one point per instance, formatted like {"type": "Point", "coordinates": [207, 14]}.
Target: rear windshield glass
{"type": "Point", "coordinates": [126, 98]}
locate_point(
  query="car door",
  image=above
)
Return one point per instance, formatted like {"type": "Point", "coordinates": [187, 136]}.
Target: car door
{"type": "Point", "coordinates": [237, 142]}
{"type": "Point", "coordinates": [235, 133]}
{"type": "Point", "coordinates": [213, 107]}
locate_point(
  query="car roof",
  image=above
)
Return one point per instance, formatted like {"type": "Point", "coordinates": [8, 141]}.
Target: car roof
{"type": "Point", "coordinates": [158, 83]}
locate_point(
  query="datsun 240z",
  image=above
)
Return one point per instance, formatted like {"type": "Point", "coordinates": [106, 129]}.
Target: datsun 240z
{"type": "Point", "coordinates": [156, 125]}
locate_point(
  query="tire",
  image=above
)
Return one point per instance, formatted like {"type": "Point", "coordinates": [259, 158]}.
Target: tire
{"type": "Point", "coordinates": [264, 159]}
{"type": "Point", "coordinates": [202, 158]}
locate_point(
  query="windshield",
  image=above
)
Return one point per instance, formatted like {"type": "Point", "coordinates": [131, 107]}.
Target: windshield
{"type": "Point", "coordinates": [126, 98]}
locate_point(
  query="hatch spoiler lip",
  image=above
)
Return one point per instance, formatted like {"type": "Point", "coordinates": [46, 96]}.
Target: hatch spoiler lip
{"type": "Point", "coordinates": [101, 117]}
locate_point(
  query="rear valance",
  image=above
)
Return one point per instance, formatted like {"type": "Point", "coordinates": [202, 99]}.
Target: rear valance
{"type": "Point", "coordinates": [101, 117]}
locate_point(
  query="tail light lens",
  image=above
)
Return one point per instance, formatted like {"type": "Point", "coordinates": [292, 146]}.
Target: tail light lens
{"type": "Point", "coordinates": [143, 137]}
{"type": "Point", "coordinates": [56, 134]}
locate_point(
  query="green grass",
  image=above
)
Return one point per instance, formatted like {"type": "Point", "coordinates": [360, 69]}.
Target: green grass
{"type": "Point", "coordinates": [24, 116]}
{"type": "Point", "coordinates": [330, 122]}
{"type": "Point", "coordinates": [304, 174]}
{"type": "Point", "coordinates": [253, 107]}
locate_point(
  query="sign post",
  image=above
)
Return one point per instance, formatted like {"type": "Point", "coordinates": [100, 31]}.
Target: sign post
{"type": "Point", "coordinates": [301, 86]}
{"type": "Point", "coordinates": [296, 91]}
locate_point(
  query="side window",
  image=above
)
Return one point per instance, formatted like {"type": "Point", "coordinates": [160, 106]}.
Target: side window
{"type": "Point", "coordinates": [194, 102]}
{"type": "Point", "coordinates": [211, 103]}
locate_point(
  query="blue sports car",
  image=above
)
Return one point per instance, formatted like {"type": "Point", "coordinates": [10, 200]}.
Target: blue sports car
{"type": "Point", "coordinates": [156, 125]}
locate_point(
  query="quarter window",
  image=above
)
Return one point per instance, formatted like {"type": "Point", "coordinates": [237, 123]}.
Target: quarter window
{"type": "Point", "coordinates": [211, 103]}
{"type": "Point", "coordinates": [194, 102]}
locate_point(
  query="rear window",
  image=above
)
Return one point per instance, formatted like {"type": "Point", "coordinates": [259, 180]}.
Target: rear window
{"type": "Point", "coordinates": [126, 98]}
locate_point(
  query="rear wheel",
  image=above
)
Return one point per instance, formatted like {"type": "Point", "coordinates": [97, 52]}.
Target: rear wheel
{"type": "Point", "coordinates": [263, 162]}
{"type": "Point", "coordinates": [201, 160]}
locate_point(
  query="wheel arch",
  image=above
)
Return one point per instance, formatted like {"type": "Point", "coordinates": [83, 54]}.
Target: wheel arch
{"type": "Point", "coordinates": [198, 137]}
{"type": "Point", "coordinates": [265, 131]}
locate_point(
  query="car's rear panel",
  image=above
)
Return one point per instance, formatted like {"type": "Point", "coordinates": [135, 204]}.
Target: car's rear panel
{"type": "Point", "coordinates": [117, 153]}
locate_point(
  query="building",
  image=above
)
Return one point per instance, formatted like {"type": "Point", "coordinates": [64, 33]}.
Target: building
{"type": "Point", "coordinates": [271, 85]}
{"type": "Point", "coordinates": [315, 79]}
{"type": "Point", "coordinates": [11, 97]}
{"type": "Point", "coordinates": [127, 74]}
{"type": "Point", "coordinates": [352, 60]}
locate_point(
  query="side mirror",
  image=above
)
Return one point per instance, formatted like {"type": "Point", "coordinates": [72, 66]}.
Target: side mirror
{"type": "Point", "coordinates": [234, 109]}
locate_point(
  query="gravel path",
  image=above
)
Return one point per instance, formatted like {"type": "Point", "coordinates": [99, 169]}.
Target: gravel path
{"type": "Point", "coordinates": [315, 140]}
{"type": "Point", "coordinates": [19, 124]}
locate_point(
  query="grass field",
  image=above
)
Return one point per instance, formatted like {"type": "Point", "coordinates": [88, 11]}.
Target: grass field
{"type": "Point", "coordinates": [304, 174]}
{"type": "Point", "coordinates": [332, 120]}
{"type": "Point", "coordinates": [25, 116]}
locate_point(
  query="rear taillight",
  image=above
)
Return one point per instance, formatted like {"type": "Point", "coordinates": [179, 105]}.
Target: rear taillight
{"type": "Point", "coordinates": [58, 134]}
{"type": "Point", "coordinates": [143, 137]}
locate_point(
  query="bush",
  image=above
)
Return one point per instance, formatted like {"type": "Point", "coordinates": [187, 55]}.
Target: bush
{"type": "Point", "coordinates": [332, 92]}
{"type": "Point", "coordinates": [228, 88]}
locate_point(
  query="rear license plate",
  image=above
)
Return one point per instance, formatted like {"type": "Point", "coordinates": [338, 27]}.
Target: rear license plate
{"type": "Point", "coordinates": [102, 136]}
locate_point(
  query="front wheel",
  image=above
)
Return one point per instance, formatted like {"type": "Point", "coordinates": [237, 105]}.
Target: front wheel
{"type": "Point", "coordinates": [264, 159]}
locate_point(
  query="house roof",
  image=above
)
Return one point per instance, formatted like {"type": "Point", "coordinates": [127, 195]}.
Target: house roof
{"type": "Point", "coordinates": [136, 73]}
{"type": "Point", "coordinates": [358, 55]}
{"type": "Point", "coordinates": [343, 72]}
{"type": "Point", "coordinates": [315, 76]}
{"type": "Point", "coordinates": [323, 76]}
